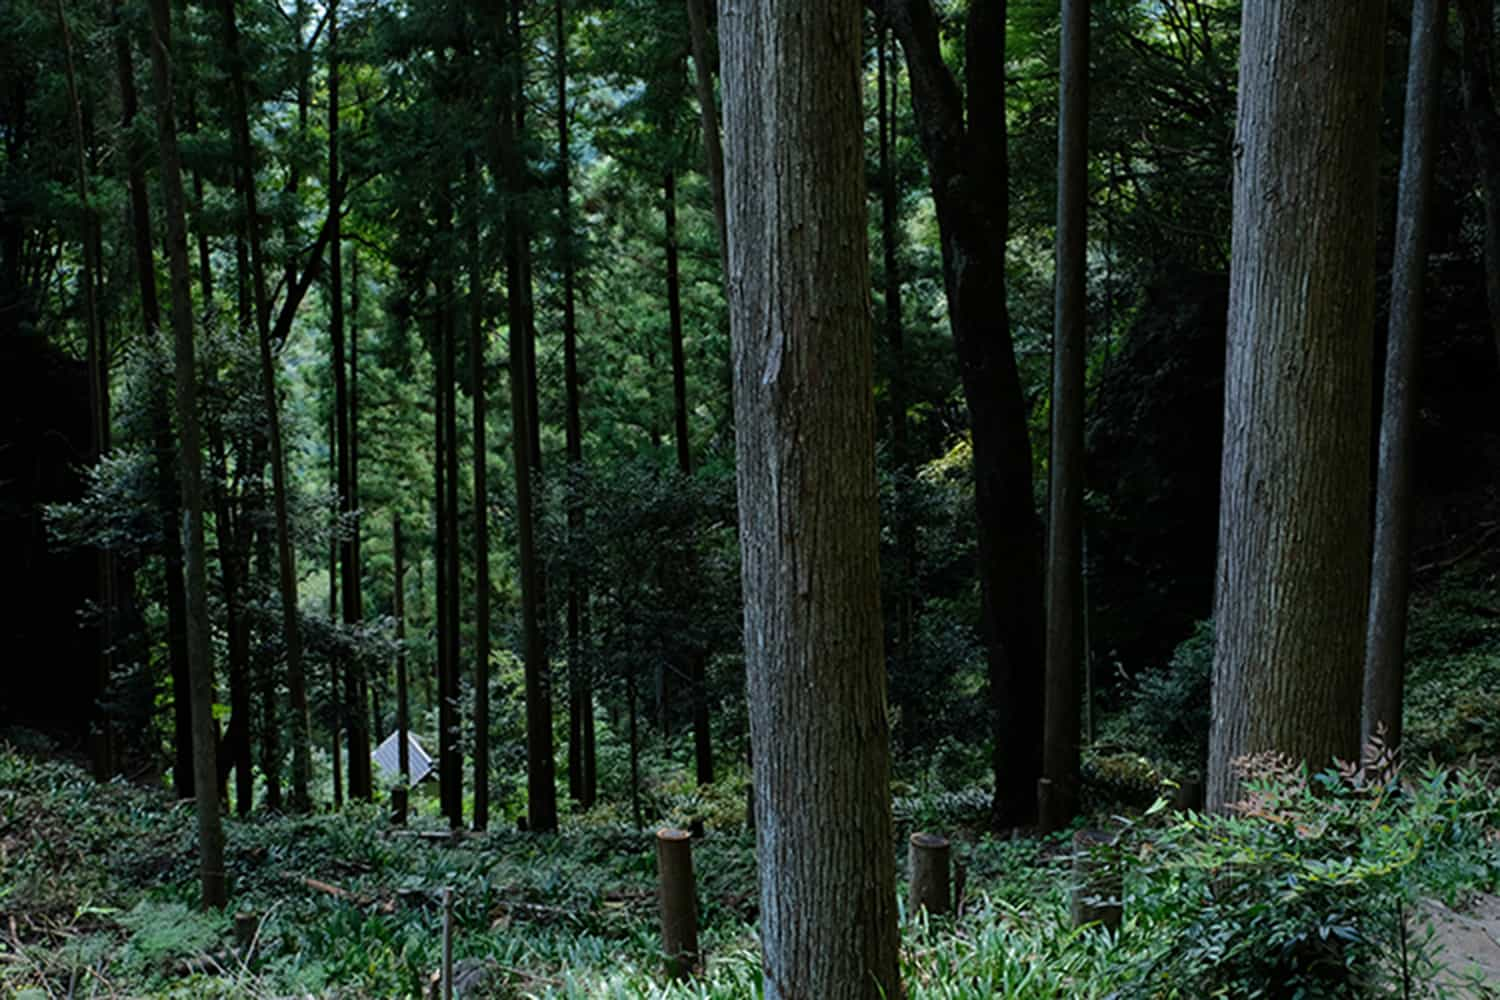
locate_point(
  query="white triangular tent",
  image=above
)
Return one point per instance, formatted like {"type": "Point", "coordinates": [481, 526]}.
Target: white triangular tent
{"type": "Point", "coordinates": [388, 757]}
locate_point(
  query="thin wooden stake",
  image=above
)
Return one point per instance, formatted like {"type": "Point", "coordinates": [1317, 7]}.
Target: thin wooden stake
{"type": "Point", "coordinates": [447, 942]}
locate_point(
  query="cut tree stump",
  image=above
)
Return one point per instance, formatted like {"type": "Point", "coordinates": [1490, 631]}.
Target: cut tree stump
{"type": "Point", "coordinates": [679, 907]}
{"type": "Point", "coordinates": [1097, 890]}
{"type": "Point", "coordinates": [928, 858]}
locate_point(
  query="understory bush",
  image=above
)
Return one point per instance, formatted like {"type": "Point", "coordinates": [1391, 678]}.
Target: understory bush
{"type": "Point", "coordinates": [1310, 886]}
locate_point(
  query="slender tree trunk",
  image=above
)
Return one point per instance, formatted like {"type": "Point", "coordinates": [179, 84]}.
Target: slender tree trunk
{"type": "Point", "coordinates": [265, 663]}
{"type": "Point", "coordinates": [101, 738]}
{"type": "Point", "coordinates": [582, 780]}
{"type": "Point", "coordinates": [336, 753]}
{"type": "Point", "coordinates": [366, 688]}
{"type": "Point", "coordinates": [167, 497]}
{"type": "Point", "coordinates": [541, 782]}
{"type": "Point", "coordinates": [1477, 18]}
{"type": "Point", "coordinates": [286, 553]}
{"type": "Point", "coordinates": [890, 212]}
{"type": "Point", "coordinates": [674, 328]}
{"type": "Point", "coordinates": [697, 659]}
{"type": "Point", "coordinates": [1385, 629]}
{"type": "Point", "coordinates": [355, 720]}
{"type": "Point", "coordinates": [450, 764]}
{"type": "Point", "coordinates": [478, 373]}
{"type": "Point", "coordinates": [455, 557]}
{"type": "Point", "coordinates": [1294, 556]}
{"type": "Point", "coordinates": [808, 501]}
{"type": "Point", "coordinates": [968, 167]}
{"type": "Point", "coordinates": [403, 715]}
{"type": "Point", "coordinates": [713, 148]}
{"type": "Point", "coordinates": [440, 561]}
{"type": "Point", "coordinates": [200, 651]}
{"type": "Point", "coordinates": [234, 751]}
{"type": "Point", "coordinates": [1057, 800]}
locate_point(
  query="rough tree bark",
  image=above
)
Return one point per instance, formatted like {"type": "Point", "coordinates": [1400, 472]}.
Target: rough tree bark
{"type": "Point", "coordinates": [1294, 544]}
{"type": "Point", "coordinates": [1385, 631]}
{"type": "Point", "coordinates": [190, 466]}
{"type": "Point", "coordinates": [808, 502]}
{"type": "Point", "coordinates": [968, 166]}
{"type": "Point", "coordinates": [1057, 797]}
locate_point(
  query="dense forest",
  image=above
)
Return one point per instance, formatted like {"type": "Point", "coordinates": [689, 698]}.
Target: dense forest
{"type": "Point", "coordinates": [932, 498]}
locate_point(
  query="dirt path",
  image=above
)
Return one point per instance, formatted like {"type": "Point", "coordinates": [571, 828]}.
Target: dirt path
{"type": "Point", "coordinates": [1468, 944]}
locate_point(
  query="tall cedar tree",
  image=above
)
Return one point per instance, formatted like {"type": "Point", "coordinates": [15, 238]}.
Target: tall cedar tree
{"type": "Point", "coordinates": [699, 12]}
{"type": "Point", "coordinates": [190, 467]}
{"type": "Point", "coordinates": [102, 725]}
{"type": "Point", "coordinates": [1385, 631]}
{"type": "Point", "coordinates": [1294, 543]}
{"type": "Point", "coordinates": [355, 717]}
{"type": "Point", "coordinates": [168, 499]}
{"type": "Point", "coordinates": [478, 373]}
{"type": "Point", "coordinates": [286, 555]}
{"type": "Point", "coordinates": [1057, 798]}
{"type": "Point", "coordinates": [808, 500]}
{"type": "Point", "coordinates": [541, 781]}
{"type": "Point", "coordinates": [968, 166]}
{"type": "Point", "coordinates": [583, 767]}
{"type": "Point", "coordinates": [890, 212]}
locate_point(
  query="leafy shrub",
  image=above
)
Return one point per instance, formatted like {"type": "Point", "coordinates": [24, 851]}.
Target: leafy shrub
{"type": "Point", "coordinates": [1119, 779]}
{"type": "Point", "coordinates": [1308, 887]}
{"type": "Point", "coordinates": [1166, 713]}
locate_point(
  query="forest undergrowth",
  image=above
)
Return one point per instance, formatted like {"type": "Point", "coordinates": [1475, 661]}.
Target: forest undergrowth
{"type": "Point", "coordinates": [1313, 888]}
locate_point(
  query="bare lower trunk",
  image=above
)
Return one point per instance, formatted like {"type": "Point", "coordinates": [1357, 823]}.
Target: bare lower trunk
{"type": "Point", "coordinates": [1385, 631]}
{"type": "Point", "coordinates": [1057, 803]}
{"type": "Point", "coordinates": [1294, 570]}
{"type": "Point", "coordinates": [808, 502]}
{"type": "Point", "coordinates": [190, 460]}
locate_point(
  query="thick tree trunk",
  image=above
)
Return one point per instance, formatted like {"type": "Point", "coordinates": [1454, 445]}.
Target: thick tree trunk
{"type": "Point", "coordinates": [1477, 18]}
{"type": "Point", "coordinates": [167, 498]}
{"type": "Point", "coordinates": [968, 163]}
{"type": "Point", "coordinates": [1294, 544]}
{"type": "Point", "coordinates": [190, 462]}
{"type": "Point", "coordinates": [808, 502]}
{"type": "Point", "coordinates": [478, 374]}
{"type": "Point", "coordinates": [286, 553]}
{"type": "Point", "coordinates": [1057, 799]}
{"type": "Point", "coordinates": [1385, 630]}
